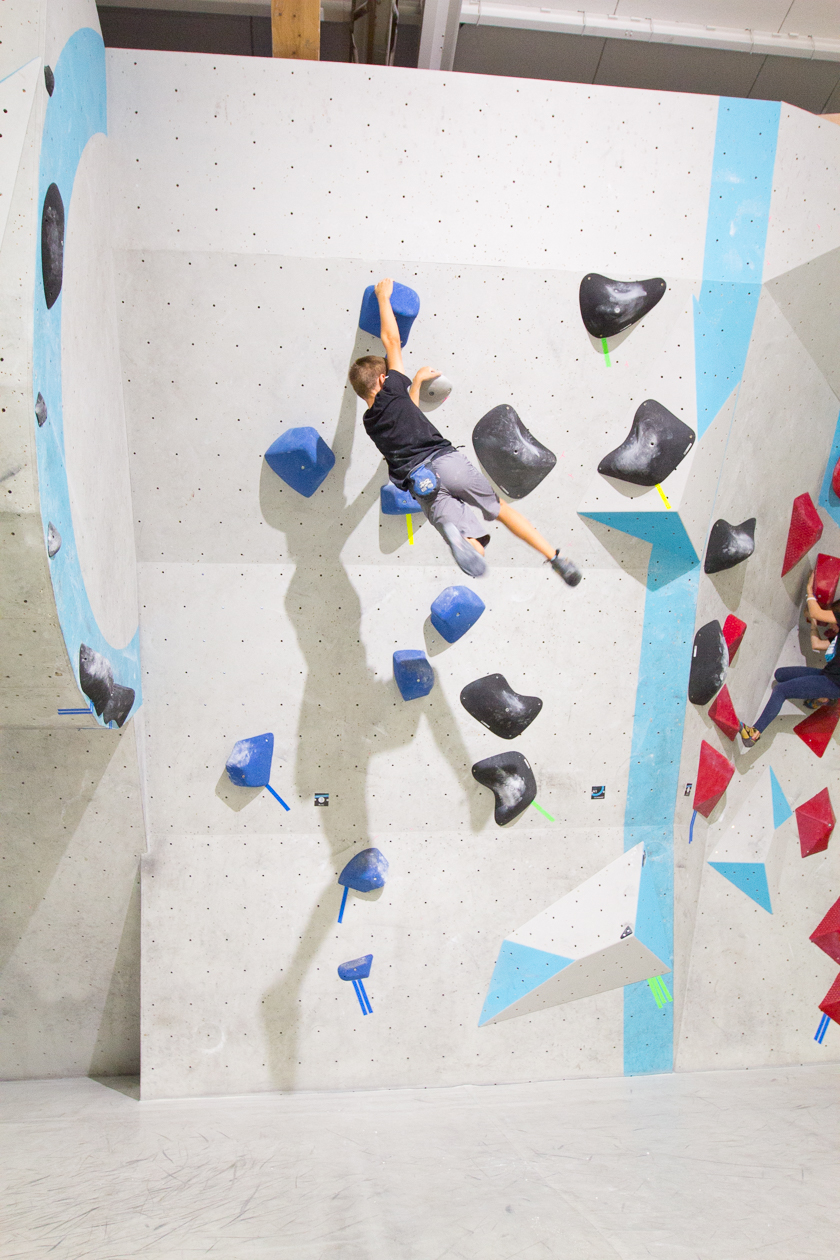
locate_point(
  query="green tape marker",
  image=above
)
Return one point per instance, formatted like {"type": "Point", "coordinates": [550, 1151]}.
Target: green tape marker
{"type": "Point", "coordinates": [542, 811]}
{"type": "Point", "coordinates": [606, 351]}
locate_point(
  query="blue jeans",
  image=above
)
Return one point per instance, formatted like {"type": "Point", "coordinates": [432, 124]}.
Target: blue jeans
{"type": "Point", "coordinates": [797, 682]}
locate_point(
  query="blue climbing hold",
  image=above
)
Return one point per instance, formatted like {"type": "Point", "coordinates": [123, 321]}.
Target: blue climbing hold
{"type": "Point", "coordinates": [405, 304]}
{"type": "Point", "coordinates": [365, 871]}
{"type": "Point", "coordinates": [249, 765]}
{"type": "Point", "coordinates": [413, 674]}
{"type": "Point", "coordinates": [396, 502]}
{"type": "Point", "coordinates": [356, 968]}
{"type": "Point", "coordinates": [301, 458]}
{"type": "Point", "coordinates": [455, 611]}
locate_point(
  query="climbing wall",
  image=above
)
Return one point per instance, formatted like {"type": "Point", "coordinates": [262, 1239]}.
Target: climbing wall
{"type": "Point", "coordinates": [252, 203]}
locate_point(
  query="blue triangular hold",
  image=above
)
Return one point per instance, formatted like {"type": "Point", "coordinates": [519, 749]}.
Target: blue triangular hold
{"type": "Point", "coordinates": [750, 877]}
{"type": "Point", "coordinates": [781, 810]}
{"type": "Point", "coordinates": [518, 970]}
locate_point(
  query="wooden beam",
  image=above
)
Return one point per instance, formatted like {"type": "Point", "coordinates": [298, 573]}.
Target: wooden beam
{"type": "Point", "coordinates": [296, 29]}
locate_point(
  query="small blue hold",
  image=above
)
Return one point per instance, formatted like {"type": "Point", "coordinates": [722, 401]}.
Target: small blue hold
{"type": "Point", "coordinates": [413, 674]}
{"type": "Point", "coordinates": [396, 502]}
{"type": "Point", "coordinates": [249, 765]}
{"type": "Point", "coordinates": [455, 611]}
{"type": "Point", "coordinates": [301, 458]}
{"type": "Point", "coordinates": [356, 968]}
{"type": "Point", "coordinates": [405, 304]}
{"type": "Point", "coordinates": [365, 871]}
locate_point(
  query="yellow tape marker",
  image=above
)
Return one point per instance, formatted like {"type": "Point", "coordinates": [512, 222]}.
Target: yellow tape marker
{"type": "Point", "coordinates": [410, 528]}
{"type": "Point", "coordinates": [662, 495]}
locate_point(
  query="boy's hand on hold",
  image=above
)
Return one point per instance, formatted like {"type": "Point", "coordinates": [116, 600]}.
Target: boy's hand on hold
{"type": "Point", "coordinates": [426, 374]}
{"type": "Point", "coordinates": [384, 288]}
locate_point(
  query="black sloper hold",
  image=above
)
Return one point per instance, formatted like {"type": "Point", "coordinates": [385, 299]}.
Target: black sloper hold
{"type": "Point", "coordinates": [511, 780]}
{"type": "Point", "coordinates": [709, 659]}
{"type": "Point", "coordinates": [493, 702]}
{"type": "Point", "coordinates": [729, 545]}
{"type": "Point", "coordinates": [509, 453]}
{"type": "Point", "coordinates": [52, 244]}
{"type": "Point", "coordinates": [40, 410]}
{"type": "Point", "coordinates": [119, 704]}
{"type": "Point", "coordinates": [656, 444]}
{"type": "Point", "coordinates": [49, 80]}
{"type": "Point", "coordinates": [96, 678]}
{"type": "Point", "coordinates": [609, 306]}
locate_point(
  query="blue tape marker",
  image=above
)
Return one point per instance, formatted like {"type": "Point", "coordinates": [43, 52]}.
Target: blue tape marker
{"type": "Point", "coordinates": [691, 828]}
{"type": "Point", "coordinates": [343, 902]}
{"type": "Point", "coordinates": [280, 799]}
{"type": "Point", "coordinates": [822, 1030]}
{"type": "Point", "coordinates": [67, 712]}
{"type": "Point", "coordinates": [363, 992]}
{"type": "Point", "coordinates": [357, 985]}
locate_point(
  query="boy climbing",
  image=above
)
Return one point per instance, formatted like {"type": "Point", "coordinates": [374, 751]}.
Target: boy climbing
{"type": "Point", "coordinates": [420, 459]}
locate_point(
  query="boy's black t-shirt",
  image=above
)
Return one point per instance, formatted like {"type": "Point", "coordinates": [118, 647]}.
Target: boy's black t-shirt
{"type": "Point", "coordinates": [400, 430]}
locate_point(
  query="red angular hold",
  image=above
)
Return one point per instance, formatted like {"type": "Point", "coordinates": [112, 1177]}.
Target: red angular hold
{"type": "Point", "coordinates": [815, 820]}
{"type": "Point", "coordinates": [827, 935]}
{"type": "Point", "coordinates": [830, 1004]}
{"type": "Point", "coordinates": [816, 731]}
{"type": "Point", "coordinates": [722, 712]}
{"type": "Point", "coordinates": [805, 529]}
{"type": "Point", "coordinates": [713, 775]}
{"type": "Point", "coordinates": [835, 479]}
{"type": "Point", "coordinates": [826, 577]}
{"type": "Point", "coordinates": [734, 630]}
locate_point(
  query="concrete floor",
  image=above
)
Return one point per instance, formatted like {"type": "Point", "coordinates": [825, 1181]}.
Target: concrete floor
{"type": "Point", "coordinates": [712, 1166]}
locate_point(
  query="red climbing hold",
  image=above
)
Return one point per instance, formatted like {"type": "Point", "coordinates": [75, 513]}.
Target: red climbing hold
{"type": "Point", "coordinates": [816, 731]}
{"type": "Point", "coordinates": [734, 630]}
{"type": "Point", "coordinates": [722, 712]}
{"type": "Point", "coordinates": [830, 1004]}
{"type": "Point", "coordinates": [713, 775]}
{"type": "Point", "coordinates": [827, 935]}
{"type": "Point", "coordinates": [826, 577]}
{"type": "Point", "coordinates": [815, 820]}
{"type": "Point", "coordinates": [835, 479]}
{"type": "Point", "coordinates": [805, 529]}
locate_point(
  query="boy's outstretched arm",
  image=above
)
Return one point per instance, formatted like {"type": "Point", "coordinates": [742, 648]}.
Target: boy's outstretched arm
{"type": "Point", "coordinates": [389, 332]}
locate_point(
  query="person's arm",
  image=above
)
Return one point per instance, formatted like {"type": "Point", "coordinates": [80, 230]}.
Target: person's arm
{"type": "Point", "coordinates": [423, 374]}
{"type": "Point", "coordinates": [813, 612]}
{"type": "Point", "coordinates": [818, 644]}
{"type": "Point", "coordinates": [389, 333]}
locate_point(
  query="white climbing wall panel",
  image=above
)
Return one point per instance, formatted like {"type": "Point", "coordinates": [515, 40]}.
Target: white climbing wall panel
{"type": "Point", "coordinates": [252, 202]}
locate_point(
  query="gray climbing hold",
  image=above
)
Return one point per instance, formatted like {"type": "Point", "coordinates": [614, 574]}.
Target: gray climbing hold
{"type": "Point", "coordinates": [607, 306]}
{"type": "Point", "coordinates": [729, 545]}
{"type": "Point", "coordinates": [40, 410]}
{"type": "Point", "coordinates": [511, 780]}
{"type": "Point", "coordinates": [52, 244]}
{"type": "Point", "coordinates": [96, 679]}
{"type": "Point", "coordinates": [656, 444]}
{"type": "Point", "coordinates": [49, 80]}
{"type": "Point", "coordinates": [494, 703]}
{"type": "Point", "coordinates": [119, 704]}
{"type": "Point", "coordinates": [53, 540]}
{"type": "Point", "coordinates": [433, 393]}
{"type": "Point", "coordinates": [709, 660]}
{"type": "Point", "coordinates": [509, 453]}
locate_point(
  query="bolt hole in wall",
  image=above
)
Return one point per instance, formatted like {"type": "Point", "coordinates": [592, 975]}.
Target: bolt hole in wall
{"type": "Point", "coordinates": [808, 84]}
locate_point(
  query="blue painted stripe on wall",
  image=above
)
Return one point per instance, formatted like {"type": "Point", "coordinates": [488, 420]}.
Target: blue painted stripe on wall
{"type": "Point", "coordinates": [828, 499]}
{"type": "Point", "coordinates": [736, 235]}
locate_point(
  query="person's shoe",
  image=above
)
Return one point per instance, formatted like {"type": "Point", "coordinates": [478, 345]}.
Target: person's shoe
{"type": "Point", "coordinates": [466, 556]}
{"type": "Point", "coordinates": [749, 736]}
{"type": "Point", "coordinates": [567, 569]}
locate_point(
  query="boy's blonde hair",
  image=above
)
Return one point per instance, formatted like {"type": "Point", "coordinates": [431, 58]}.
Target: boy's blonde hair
{"type": "Point", "coordinates": [365, 372]}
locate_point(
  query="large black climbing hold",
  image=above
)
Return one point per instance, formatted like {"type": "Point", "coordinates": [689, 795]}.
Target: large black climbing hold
{"type": "Point", "coordinates": [493, 702]}
{"type": "Point", "coordinates": [509, 453]}
{"type": "Point", "coordinates": [52, 244]}
{"type": "Point", "coordinates": [709, 659]}
{"type": "Point", "coordinates": [96, 678]}
{"type": "Point", "coordinates": [511, 780]}
{"type": "Point", "coordinates": [729, 545]}
{"type": "Point", "coordinates": [49, 80]}
{"type": "Point", "coordinates": [119, 704]}
{"type": "Point", "coordinates": [609, 306]}
{"type": "Point", "coordinates": [655, 445]}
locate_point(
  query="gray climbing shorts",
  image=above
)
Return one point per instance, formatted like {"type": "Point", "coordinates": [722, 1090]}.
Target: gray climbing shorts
{"type": "Point", "coordinates": [462, 489]}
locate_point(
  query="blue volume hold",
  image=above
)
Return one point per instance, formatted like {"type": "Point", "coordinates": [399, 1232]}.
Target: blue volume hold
{"type": "Point", "coordinates": [413, 674]}
{"type": "Point", "coordinates": [455, 611]}
{"type": "Point", "coordinates": [249, 765]}
{"type": "Point", "coordinates": [356, 968]}
{"type": "Point", "coordinates": [405, 304]}
{"type": "Point", "coordinates": [396, 502]}
{"type": "Point", "coordinates": [365, 871]}
{"type": "Point", "coordinates": [301, 458]}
